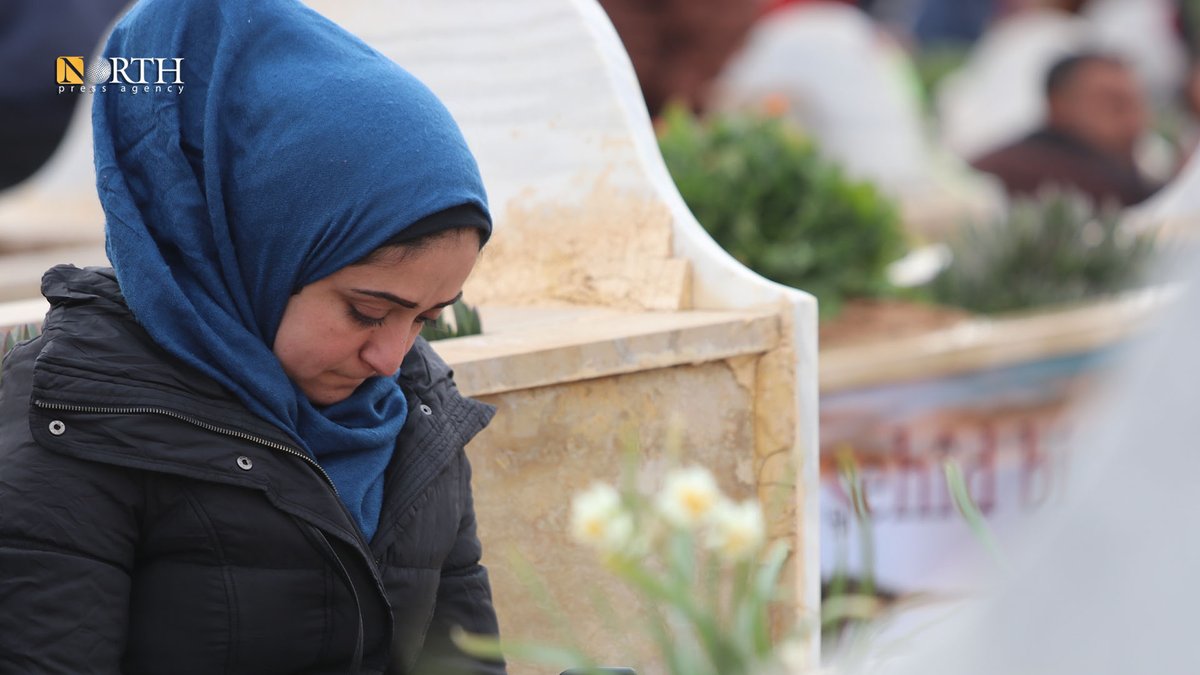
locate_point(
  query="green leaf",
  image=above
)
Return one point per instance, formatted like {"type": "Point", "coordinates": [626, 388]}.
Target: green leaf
{"type": "Point", "coordinates": [717, 646]}
{"type": "Point", "coordinates": [850, 607]}
{"type": "Point", "coordinates": [681, 549]}
{"type": "Point", "coordinates": [852, 484]}
{"type": "Point", "coordinates": [961, 494]}
{"type": "Point", "coordinates": [765, 583]}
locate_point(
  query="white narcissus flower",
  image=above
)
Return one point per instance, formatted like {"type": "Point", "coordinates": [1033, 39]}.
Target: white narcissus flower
{"type": "Point", "coordinates": [736, 531]}
{"type": "Point", "coordinates": [795, 657]}
{"type": "Point", "coordinates": [689, 496]}
{"type": "Point", "coordinates": [598, 518]}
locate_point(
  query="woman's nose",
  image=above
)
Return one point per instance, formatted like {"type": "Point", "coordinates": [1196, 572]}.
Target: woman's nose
{"type": "Point", "coordinates": [386, 350]}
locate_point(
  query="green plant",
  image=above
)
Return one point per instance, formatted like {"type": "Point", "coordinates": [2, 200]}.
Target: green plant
{"type": "Point", "coordinates": [466, 322]}
{"type": "Point", "coordinates": [960, 494]}
{"type": "Point", "coordinates": [1053, 249]}
{"type": "Point", "coordinates": [772, 201]}
{"type": "Point", "coordinates": [851, 603]}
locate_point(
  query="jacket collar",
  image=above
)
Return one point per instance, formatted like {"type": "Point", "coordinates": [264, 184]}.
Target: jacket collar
{"type": "Point", "coordinates": [95, 357]}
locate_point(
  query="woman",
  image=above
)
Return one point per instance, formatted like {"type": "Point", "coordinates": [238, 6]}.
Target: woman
{"type": "Point", "coordinates": [232, 453]}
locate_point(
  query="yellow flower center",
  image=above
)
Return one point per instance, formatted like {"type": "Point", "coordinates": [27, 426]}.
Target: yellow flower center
{"type": "Point", "coordinates": [696, 502]}
{"type": "Point", "coordinates": [594, 528]}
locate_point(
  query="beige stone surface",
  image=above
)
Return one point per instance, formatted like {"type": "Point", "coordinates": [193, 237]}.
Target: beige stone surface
{"type": "Point", "coordinates": [549, 443]}
{"type": "Point", "coordinates": [534, 347]}
{"type": "Point", "coordinates": [611, 248]}
{"type": "Point", "coordinates": [572, 384]}
{"type": "Point", "coordinates": [780, 472]}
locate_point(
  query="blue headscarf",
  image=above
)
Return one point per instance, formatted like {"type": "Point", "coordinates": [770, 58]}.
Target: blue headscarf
{"type": "Point", "coordinates": [293, 151]}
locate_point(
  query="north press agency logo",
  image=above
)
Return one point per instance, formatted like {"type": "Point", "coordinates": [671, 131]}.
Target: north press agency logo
{"type": "Point", "coordinates": [120, 75]}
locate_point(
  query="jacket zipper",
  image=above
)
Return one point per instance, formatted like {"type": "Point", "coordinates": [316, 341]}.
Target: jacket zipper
{"type": "Point", "coordinates": [234, 433]}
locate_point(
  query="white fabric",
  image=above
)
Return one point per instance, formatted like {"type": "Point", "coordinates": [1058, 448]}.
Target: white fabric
{"type": "Point", "coordinates": [1106, 586]}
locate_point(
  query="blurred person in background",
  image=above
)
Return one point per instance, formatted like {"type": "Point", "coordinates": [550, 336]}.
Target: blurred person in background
{"type": "Point", "coordinates": [953, 22]}
{"type": "Point", "coordinates": [1096, 115]}
{"type": "Point", "coordinates": [678, 46]}
{"type": "Point", "coordinates": [965, 21]}
{"type": "Point", "coordinates": [864, 5]}
{"type": "Point", "coordinates": [33, 115]}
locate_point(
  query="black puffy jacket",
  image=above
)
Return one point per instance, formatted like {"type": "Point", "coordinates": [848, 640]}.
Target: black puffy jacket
{"type": "Point", "coordinates": [150, 524]}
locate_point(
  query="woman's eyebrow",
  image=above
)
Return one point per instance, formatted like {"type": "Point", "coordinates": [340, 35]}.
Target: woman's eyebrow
{"type": "Point", "coordinates": [384, 295]}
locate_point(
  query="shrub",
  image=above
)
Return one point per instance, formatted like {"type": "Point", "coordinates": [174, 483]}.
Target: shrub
{"type": "Point", "coordinates": [1053, 249]}
{"type": "Point", "coordinates": [772, 201]}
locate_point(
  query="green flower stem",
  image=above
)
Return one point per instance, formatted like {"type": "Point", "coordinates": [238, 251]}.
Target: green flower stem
{"type": "Point", "coordinates": [961, 494]}
{"type": "Point", "coordinates": [715, 644]}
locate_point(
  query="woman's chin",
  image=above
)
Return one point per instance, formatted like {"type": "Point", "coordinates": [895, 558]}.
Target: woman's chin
{"type": "Point", "coordinates": [325, 395]}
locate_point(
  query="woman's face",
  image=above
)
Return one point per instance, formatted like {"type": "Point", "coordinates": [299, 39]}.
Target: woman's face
{"type": "Point", "coordinates": [360, 321]}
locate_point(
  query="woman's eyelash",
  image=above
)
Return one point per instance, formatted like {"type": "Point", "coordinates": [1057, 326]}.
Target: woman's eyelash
{"type": "Point", "coordinates": [362, 319]}
{"type": "Point", "coordinates": [372, 322]}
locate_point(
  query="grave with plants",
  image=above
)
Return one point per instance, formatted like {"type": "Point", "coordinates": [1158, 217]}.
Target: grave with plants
{"type": "Point", "coordinates": [766, 194]}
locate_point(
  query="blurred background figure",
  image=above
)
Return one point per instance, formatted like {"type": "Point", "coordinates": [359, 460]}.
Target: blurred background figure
{"type": "Point", "coordinates": [998, 92]}
{"type": "Point", "coordinates": [33, 115]}
{"type": "Point", "coordinates": [827, 68]}
{"type": "Point", "coordinates": [953, 22]}
{"type": "Point", "coordinates": [1095, 116]}
{"type": "Point", "coordinates": [935, 24]}
{"type": "Point", "coordinates": [678, 46]}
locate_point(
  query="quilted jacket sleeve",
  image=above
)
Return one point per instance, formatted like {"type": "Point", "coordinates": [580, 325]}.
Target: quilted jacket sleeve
{"type": "Point", "coordinates": [67, 532]}
{"type": "Point", "coordinates": [464, 600]}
